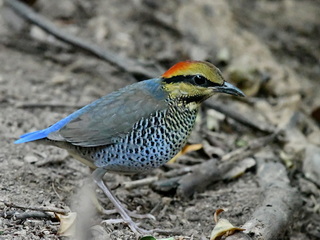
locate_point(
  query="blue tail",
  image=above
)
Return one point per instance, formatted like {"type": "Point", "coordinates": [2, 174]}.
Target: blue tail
{"type": "Point", "coordinates": [28, 137]}
{"type": "Point", "coordinates": [32, 136]}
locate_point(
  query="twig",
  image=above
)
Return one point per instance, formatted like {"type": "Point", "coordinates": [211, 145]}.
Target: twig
{"type": "Point", "coordinates": [166, 185]}
{"type": "Point", "coordinates": [126, 64]}
{"type": "Point", "coordinates": [177, 172]}
{"type": "Point", "coordinates": [41, 209]}
{"type": "Point", "coordinates": [139, 183]}
{"type": "Point", "coordinates": [232, 113]}
{"type": "Point", "coordinates": [55, 191]}
{"type": "Point", "coordinates": [25, 215]}
{"type": "Point", "coordinates": [204, 174]}
{"type": "Point", "coordinates": [239, 236]}
{"type": "Point", "coordinates": [250, 149]}
{"type": "Point", "coordinates": [209, 172]}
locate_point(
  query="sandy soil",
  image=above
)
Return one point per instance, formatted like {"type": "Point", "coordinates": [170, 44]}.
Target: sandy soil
{"type": "Point", "coordinates": [42, 80]}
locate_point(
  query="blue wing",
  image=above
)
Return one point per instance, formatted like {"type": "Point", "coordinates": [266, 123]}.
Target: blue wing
{"type": "Point", "coordinates": [107, 118]}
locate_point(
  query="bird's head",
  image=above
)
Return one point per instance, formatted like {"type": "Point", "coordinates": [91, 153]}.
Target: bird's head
{"type": "Point", "coordinates": [195, 81]}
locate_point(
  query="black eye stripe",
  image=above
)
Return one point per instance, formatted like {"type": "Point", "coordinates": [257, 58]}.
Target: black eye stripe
{"type": "Point", "coordinates": [197, 80]}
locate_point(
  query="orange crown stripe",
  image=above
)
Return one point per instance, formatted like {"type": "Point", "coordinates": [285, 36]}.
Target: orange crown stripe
{"type": "Point", "coordinates": [177, 69]}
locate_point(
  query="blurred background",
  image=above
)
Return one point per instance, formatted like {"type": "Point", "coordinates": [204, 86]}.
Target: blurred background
{"type": "Point", "coordinates": [269, 49]}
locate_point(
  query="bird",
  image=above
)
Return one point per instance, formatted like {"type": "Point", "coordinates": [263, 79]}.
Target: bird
{"type": "Point", "coordinates": [136, 128]}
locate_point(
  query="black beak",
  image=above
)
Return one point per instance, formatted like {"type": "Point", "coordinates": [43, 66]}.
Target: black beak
{"type": "Point", "coordinates": [228, 88]}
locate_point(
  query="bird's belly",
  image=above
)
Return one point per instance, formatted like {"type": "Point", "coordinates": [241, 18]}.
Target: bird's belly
{"type": "Point", "coordinates": [151, 144]}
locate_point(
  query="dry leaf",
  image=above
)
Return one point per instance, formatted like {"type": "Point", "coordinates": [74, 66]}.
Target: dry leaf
{"type": "Point", "coordinates": [67, 224]}
{"type": "Point", "coordinates": [223, 227]}
{"type": "Point", "coordinates": [287, 159]}
{"type": "Point", "coordinates": [186, 149]}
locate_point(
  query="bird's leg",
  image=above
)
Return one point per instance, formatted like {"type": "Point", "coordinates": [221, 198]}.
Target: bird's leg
{"type": "Point", "coordinates": [130, 213]}
{"type": "Point", "coordinates": [97, 176]}
{"type": "Point", "coordinates": [114, 211]}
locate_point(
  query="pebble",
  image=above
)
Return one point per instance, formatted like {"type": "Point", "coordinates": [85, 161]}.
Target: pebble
{"type": "Point", "coordinates": [192, 214]}
{"type": "Point", "coordinates": [30, 158]}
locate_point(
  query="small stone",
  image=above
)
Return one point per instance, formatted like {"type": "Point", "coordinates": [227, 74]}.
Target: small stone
{"type": "Point", "coordinates": [30, 158]}
{"type": "Point", "coordinates": [166, 200]}
{"type": "Point", "coordinates": [38, 34]}
{"type": "Point", "coordinates": [192, 213]}
{"type": "Point", "coordinates": [173, 217]}
{"type": "Point", "coordinates": [46, 232]}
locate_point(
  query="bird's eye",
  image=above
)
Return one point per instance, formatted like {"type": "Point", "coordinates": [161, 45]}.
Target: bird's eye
{"type": "Point", "coordinates": [199, 80]}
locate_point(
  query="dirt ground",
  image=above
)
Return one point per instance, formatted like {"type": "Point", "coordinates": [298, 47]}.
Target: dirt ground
{"type": "Point", "coordinates": [270, 49]}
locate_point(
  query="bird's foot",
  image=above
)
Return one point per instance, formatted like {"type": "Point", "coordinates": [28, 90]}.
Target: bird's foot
{"type": "Point", "coordinates": [130, 213]}
{"type": "Point", "coordinates": [132, 225]}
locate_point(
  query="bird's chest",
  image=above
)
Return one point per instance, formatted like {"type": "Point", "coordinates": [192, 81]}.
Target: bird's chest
{"type": "Point", "coordinates": [168, 130]}
{"type": "Point", "coordinates": [153, 141]}
{"type": "Point", "coordinates": [179, 122]}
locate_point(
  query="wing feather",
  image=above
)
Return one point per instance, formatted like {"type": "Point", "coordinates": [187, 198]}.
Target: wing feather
{"type": "Point", "coordinates": [111, 117]}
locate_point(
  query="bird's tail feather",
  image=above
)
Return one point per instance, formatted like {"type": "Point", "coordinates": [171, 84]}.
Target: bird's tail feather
{"type": "Point", "coordinates": [32, 136]}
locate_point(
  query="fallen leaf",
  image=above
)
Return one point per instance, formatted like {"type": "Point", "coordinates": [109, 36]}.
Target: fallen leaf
{"type": "Point", "coordinates": [148, 238]}
{"type": "Point", "coordinates": [287, 159]}
{"type": "Point", "coordinates": [187, 148]}
{"type": "Point", "coordinates": [223, 227]}
{"type": "Point", "coordinates": [241, 143]}
{"type": "Point", "coordinates": [67, 224]}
